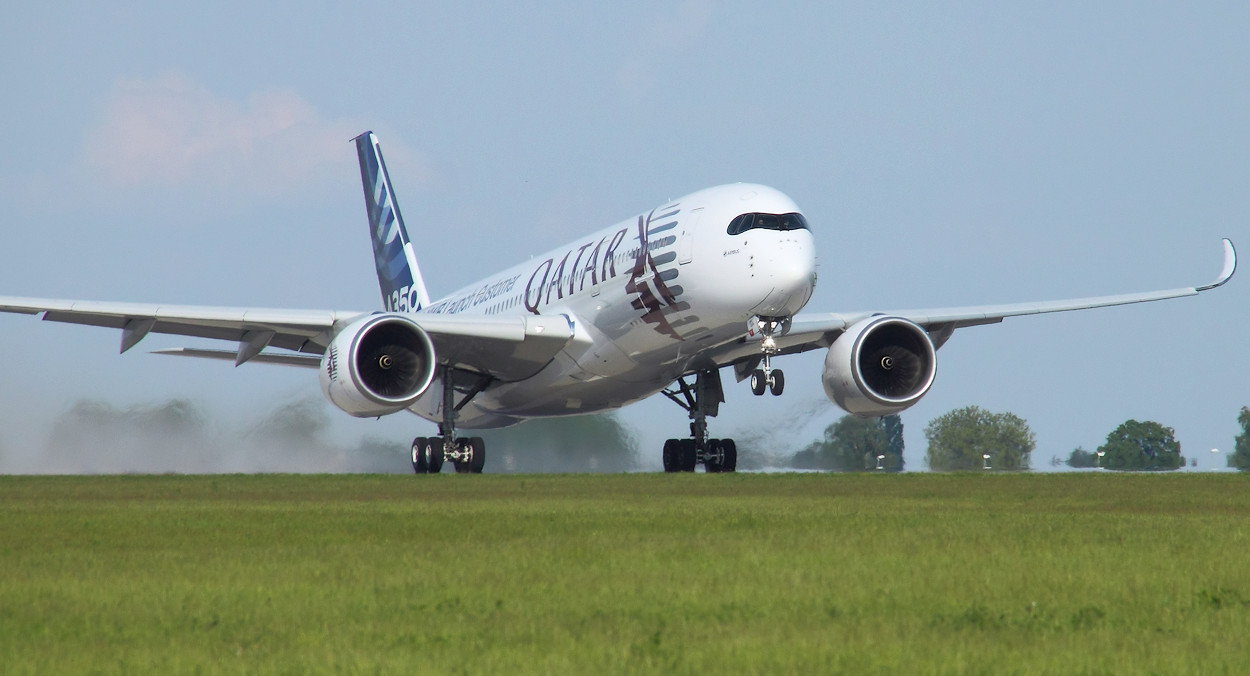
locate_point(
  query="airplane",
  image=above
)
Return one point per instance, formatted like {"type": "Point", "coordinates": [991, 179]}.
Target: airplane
{"type": "Point", "coordinates": [658, 303]}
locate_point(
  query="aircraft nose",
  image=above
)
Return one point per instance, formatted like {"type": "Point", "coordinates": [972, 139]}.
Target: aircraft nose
{"type": "Point", "coordinates": [790, 273]}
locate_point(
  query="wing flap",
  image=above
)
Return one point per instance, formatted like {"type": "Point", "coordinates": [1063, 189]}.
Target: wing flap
{"type": "Point", "coordinates": [304, 360]}
{"type": "Point", "coordinates": [507, 349]}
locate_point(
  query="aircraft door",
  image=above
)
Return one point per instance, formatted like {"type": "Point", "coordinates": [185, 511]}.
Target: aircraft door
{"type": "Point", "coordinates": [685, 246]}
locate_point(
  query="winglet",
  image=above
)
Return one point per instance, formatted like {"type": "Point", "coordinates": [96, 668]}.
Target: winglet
{"type": "Point", "coordinates": [403, 290]}
{"type": "Point", "coordinates": [1230, 266]}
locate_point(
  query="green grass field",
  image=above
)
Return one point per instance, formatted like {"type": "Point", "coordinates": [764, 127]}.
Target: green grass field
{"type": "Point", "coordinates": [813, 573]}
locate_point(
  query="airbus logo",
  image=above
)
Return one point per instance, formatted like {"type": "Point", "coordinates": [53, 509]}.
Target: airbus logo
{"type": "Point", "coordinates": [404, 299]}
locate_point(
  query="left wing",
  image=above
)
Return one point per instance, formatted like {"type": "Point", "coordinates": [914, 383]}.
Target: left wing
{"type": "Point", "coordinates": [811, 331]}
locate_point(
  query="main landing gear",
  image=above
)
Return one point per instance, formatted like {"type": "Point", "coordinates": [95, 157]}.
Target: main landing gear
{"type": "Point", "coordinates": [467, 454]}
{"type": "Point", "coordinates": [767, 377]}
{"type": "Point", "coordinates": [701, 400]}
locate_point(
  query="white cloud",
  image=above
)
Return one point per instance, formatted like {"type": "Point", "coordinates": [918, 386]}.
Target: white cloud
{"type": "Point", "coordinates": [170, 131]}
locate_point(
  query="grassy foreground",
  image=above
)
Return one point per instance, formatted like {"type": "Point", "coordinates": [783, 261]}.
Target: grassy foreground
{"type": "Point", "coordinates": [923, 573]}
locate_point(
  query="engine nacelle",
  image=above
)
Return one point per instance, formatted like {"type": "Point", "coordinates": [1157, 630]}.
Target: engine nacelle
{"type": "Point", "coordinates": [377, 365]}
{"type": "Point", "coordinates": [879, 366]}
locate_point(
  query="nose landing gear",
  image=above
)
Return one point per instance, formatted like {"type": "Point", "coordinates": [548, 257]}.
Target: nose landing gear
{"type": "Point", "coordinates": [767, 377]}
{"type": "Point", "coordinates": [770, 379]}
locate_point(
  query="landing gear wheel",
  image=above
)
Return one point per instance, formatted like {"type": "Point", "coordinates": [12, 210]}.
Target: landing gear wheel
{"type": "Point", "coordinates": [730, 451]}
{"type": "Point", "coordinates": [758, 382]}
{"type": "Point", "coordinates": [477, 460]}
{"type": "Point", "coordinates": [434, 461]}
{"type": "Point", "coordinates": [672, 451]}
{"type": "Point", "coordinates": [420, 455]}
{"type": "Point", "coordinates": [777, 382]}
{"type": "Point", "coordinates": [461, 464]}
{"type": "Point", "coordinates": [470, 454]}
{"type": "Point", "coordinates": [713, 458]}
{"type": "Point", "coordinates": [688, 458]}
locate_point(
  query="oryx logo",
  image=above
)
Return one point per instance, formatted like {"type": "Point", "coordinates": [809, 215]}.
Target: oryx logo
{"type": "Point", "coordinates": [332, 364]}
{"type": "Point", "coordinates": [648, 280]}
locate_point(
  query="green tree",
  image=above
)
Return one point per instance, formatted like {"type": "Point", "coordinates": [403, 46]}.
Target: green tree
{"type": "Point", "coordinates": [958, 440]}
{"type": "Point", "coordinates": [852, 444]}
{"type": "Point", "coordinates": [893, 425]}
{"type": "Point", "coordinates": [1240, 457]}
{"type": "Point", "coordinates": [1082, 458]}
{"type": "Point", "coordinates": [1142, 446]}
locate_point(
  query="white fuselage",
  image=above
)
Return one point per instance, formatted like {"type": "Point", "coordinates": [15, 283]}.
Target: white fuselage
{"type": "Point", "coordinates": [648, 298]}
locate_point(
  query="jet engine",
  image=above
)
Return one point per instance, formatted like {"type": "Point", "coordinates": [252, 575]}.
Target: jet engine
{"type": "Point", "coordinates": [879, 366]}
{"type": "Point", "coordinates": [377, 365]}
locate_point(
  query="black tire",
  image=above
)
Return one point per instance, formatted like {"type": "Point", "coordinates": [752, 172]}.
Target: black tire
{"type": "Point", "coordinates": [758, 382]}
{"type": "Point", "coordinates": [477, 462]}
{"type": "Point", "coordinates": [672, 452]}
{"type": "Point", "coordinates": [689, 456]}
{"type": "Point", "coordinates": [713, 459]}
{"type": "Point", "coordinates": [461, 466]}
{"type": "Point", "coordinates": [434, 462]}
{"type": "Point", "coordinates": [420, 453]}
{"type": "Point", "coordinates": [777, 383]}
{"type": "Point", "coordinates": [730, 451]}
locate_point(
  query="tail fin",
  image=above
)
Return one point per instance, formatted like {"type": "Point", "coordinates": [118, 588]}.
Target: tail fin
{"type": "Point", "coordinates": [403, 290]}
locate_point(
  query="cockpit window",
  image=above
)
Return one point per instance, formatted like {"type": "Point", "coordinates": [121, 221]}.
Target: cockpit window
{"type": "Point", "coordinates": [783, 222]}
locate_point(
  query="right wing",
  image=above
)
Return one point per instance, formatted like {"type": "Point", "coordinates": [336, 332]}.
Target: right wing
{"type": "Point", "coordinates": [303, 331]}
{"type": "Point", "coordinates": [506, 348]}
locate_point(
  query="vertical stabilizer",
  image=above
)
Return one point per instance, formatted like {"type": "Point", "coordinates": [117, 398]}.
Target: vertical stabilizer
{"type": "Point", "coordinates": [403, 290]}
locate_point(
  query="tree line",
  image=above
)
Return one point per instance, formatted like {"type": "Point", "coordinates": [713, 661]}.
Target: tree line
{"type": "Point", "coordinates": [972, 438]}
{"type": "Point", "coordinates": [964, 439]}
{"type": "Point", "coordinates": [1240, 457]}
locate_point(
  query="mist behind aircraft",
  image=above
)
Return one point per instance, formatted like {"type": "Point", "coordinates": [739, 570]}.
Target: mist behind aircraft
{"type": "Point", "coordinates": [185, 437]}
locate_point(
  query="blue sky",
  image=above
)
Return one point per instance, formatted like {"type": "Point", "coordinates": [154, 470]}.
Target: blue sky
{"type": "Point", "coordinates": [945, 154]}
